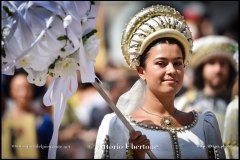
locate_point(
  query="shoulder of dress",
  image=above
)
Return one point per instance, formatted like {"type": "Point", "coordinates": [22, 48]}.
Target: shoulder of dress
{"type": "Point", "coordinates": [210, 118]}
{"type": "Point", "coordinates": [209, 115]}
{"type": "Point", "coordinates": [112, 119]}
{"type": "Point", "coordinates": [109, 117]}
{"type": "Point", "coordinates": [111, 125]}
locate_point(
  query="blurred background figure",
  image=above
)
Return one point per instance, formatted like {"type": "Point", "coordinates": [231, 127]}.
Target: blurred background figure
{"type": "Point", "coordinates": [187, 82]}
{"type": "Point", "coordinates": [76, 129]}
{"type": "Point", "coordinates": [198, 19]}
{"type": "Point", "coordinates": [26, 131]}
{"type": "Point", "coordinates": [230, 134]}
{"type": "Point", "coordinates": [214, 74]}
{"type": "Point", "coordinates": [3, 106]}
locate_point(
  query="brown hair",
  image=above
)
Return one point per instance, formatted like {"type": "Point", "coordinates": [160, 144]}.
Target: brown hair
{"type": "Point", "coordinates": [144, 56]}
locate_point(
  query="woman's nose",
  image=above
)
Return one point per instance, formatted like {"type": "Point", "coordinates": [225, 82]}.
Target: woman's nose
{"type": "Point", "coordinates": [170, 69]}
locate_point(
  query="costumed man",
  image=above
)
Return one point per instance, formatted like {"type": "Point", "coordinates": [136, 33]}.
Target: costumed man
{"type": "Point", "coordinates": [214, 73]}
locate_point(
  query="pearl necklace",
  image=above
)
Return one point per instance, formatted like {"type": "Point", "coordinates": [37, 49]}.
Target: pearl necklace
{"type": "Point", "coordinates": [165, 121]}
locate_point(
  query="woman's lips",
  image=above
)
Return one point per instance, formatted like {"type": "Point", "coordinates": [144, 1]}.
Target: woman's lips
{"type": "Point", "coordinates": [170, 80]}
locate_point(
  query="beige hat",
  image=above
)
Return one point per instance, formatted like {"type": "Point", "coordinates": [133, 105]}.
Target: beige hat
{"type": "Point", "coordinates": [213, 46]}
{"type": "Point", "coordinates": [151, 24]}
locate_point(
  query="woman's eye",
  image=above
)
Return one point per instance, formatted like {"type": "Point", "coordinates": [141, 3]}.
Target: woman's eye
{"type": "Point", "coordinates": [178, 63]}
{"type": "Point", "coordinates": [162, 64]}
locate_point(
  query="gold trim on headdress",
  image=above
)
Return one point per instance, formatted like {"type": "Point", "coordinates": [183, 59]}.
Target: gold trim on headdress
{"type": "Point", "coordinates": [213, 46]}
{"type": "Point", "coordinates": [151, 24]}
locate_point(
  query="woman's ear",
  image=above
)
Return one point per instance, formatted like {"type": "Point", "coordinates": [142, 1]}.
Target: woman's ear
{"type": "Point", "coordinates": [141, 72]}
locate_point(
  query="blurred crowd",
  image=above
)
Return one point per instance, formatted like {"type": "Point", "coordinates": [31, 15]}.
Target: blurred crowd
{"type": "Point", "coordinates": [27, 124]}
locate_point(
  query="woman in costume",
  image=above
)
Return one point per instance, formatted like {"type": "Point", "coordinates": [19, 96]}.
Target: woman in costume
{"type": "Point", "coordinates": [157, 43]}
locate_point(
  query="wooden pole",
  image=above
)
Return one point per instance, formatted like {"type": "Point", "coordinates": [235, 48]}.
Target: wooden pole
{"type": "Point", "coordinates": [117, 111]}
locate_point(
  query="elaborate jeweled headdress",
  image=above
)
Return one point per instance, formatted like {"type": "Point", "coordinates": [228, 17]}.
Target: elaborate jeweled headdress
{"type": "Point", "coordinates": [151, 24]}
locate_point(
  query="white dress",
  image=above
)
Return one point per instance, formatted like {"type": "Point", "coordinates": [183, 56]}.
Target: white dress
{"type": "Point", "coordinates": [201, 139]}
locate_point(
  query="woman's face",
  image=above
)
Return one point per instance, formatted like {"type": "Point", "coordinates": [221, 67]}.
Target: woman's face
{"type": "Point", "coordinates": [21, 90]}
{"type": "Point", "coordinates": [164, 69]}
